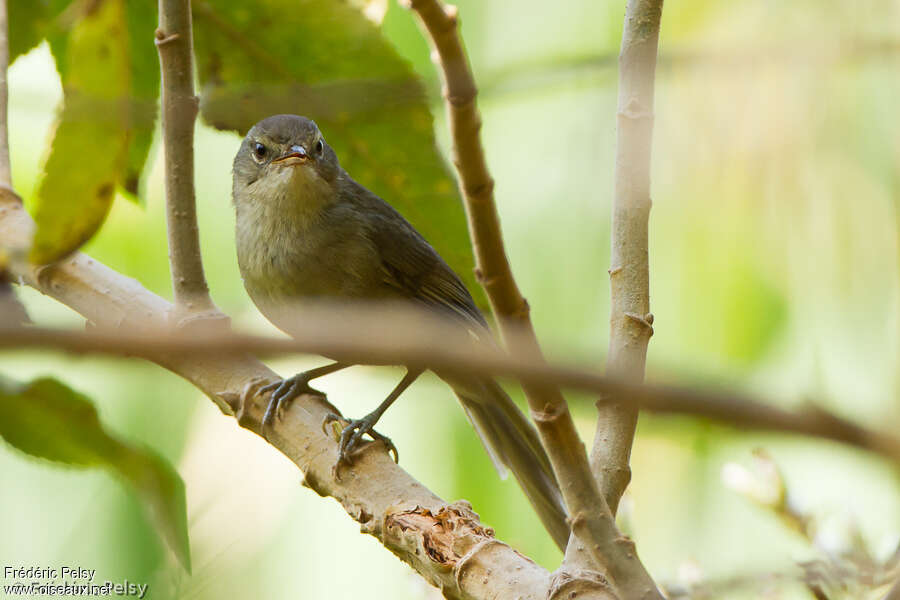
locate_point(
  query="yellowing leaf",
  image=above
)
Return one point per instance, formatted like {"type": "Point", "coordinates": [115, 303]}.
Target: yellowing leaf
{"type": "Point", "coordinates": [91, 145]}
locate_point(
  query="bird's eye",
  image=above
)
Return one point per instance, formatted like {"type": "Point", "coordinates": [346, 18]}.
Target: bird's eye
{"type": "Point", "coordinates": [319, 146]}
{"type": "Point", "coordinates": [259, 151]}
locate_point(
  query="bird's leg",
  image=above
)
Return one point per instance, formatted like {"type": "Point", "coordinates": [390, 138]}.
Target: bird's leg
{"type": "Point", "coordinates": [286, 390]}
{"type": "Point", "coordinates": [352, 434]}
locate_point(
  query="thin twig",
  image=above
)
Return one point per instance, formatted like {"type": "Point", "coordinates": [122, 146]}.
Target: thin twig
{"type": "Point", "coordinates": [179, 111]}
{"type": "Point", "coordinates": [392, 339]}
{"type": "Point", "coordinates": [590, 518]}
{"type": "Point", "coordinates": [5, 168]}
{"type": "Point", "coordinates": [798, 53]}
{"type": "Point", "coordinates": [631, 323]}
{"type": "Point", "coordinates": [388, 503]}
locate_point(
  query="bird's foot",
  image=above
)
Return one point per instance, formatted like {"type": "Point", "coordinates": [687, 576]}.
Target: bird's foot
{"type": "Point", "coordinates": [284, 392]}
{"type": "Point", "coordinates": [351, 439]}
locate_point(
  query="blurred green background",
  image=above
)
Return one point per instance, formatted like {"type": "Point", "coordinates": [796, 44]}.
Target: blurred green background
{"type": "Point", "coordinates": [774, 262]}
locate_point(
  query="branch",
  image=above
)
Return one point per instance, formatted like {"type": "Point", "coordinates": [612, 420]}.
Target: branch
{"type": "Point", "coordinates": [445, 543]}
{"type": "Point", "coordinates": [378, 338]}
{"type": "Point", "coordinates": [476, 183]}
{"type": "Point", "coordinates": [798, 53]}
{"type": "Point", "coordinates": [5, 169]}
{"type": "Point", "coordinates": [631, 323]}
{"type": "Point", "coordinates": [590, 519]}
{"type": "Point", "coordinates": [179, 111]}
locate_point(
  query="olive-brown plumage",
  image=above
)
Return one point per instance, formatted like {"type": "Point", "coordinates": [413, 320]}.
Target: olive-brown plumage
{"type": "Point", "coordinates": [305, 229]}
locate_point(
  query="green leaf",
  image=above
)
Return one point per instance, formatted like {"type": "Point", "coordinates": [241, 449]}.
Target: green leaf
{"type": "Point", "coordinates": [107, 62]}
{"type": "Point", "coordinates": [325, 60]}
{"type": "Point", "coordinates": [30, 21]}
{"type": "Point", "coordinates": [49, 420]}
{"type": "Point", "coordinates": [144, 66]}
{"type": "Point", "coordinates": [162, 491]}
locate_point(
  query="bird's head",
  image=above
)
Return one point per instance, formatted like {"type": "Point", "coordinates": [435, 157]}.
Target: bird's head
{"type": "Point", "coordinates": [284, 156]}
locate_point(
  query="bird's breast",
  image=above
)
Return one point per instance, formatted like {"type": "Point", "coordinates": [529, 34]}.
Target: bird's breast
{"type": "Point", "coordinates": [284, 262]}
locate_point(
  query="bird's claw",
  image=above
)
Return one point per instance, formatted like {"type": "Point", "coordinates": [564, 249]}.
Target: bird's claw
{"type": "Point", "coordinates": [284, 391]}
{"type": "Point", "coordinates": [352, 436]}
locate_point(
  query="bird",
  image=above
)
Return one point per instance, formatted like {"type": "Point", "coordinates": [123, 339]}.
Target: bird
{"type": "Point", "coordinates": [305, 229]}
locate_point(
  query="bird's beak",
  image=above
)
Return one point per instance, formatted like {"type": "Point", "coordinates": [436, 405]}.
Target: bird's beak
{"type": "Point", "coordinates": [296, 155]}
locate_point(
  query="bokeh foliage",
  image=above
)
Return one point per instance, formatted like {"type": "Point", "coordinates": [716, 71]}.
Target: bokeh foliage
{"type": "Point", "coordinates": [49, 420]}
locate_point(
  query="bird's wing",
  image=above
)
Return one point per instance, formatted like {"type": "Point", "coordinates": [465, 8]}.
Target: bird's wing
{"type": "Point", "coordinates": [411, 266]}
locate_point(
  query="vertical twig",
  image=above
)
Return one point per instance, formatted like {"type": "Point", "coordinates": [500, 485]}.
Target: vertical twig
{"type": "Point", "coordinates": [179, 111]}
{"type": "Point", "coordinates": [5, 168]}
{"type": "Point", "coordinates": [631, 323]}
{"type": "Point", "coordinates": [590, 518]}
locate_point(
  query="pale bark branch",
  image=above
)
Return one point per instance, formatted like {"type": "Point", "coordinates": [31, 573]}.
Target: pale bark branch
{"type": "Point", "coordinates": [590, 518]}
{"type": "Point", "coordinates": [631, 323]}
{"type": "Point", "coordinates": [179, 111]}
{"type": "Point", "coordinates": [445, 543]}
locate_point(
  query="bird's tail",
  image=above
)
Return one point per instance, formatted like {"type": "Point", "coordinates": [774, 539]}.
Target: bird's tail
{"type": "Point", "coordinates": [511, 441]}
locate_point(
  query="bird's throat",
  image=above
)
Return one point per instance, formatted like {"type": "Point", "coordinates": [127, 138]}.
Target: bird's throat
{"type": "Point", "coordinates": [294, 193]}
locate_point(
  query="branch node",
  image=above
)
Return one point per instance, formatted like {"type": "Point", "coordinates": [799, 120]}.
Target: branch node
{"type": "Point", "coordinates": [201, 322]}
{"type": "Point", "coordinates": [549, 413]}
{"type": "Point", "coordinates": [462, 99]}
{"type": "Point", "coordinates": [523, 311]}
{"type": "Point", "coordinates": [635, 111]}
{"type": "Point", "coordinates": [482, 191]}
{"type": "Point", "coordinates": [572, 584]}
{"type": "Point", "coordinates": [452, 12]}
{"type": "Point", "coordinates": [486, 280]}
{"type": "Point", "coordinates": [161, 39]}
{"type": "Point", "coordinates": [645, 321]}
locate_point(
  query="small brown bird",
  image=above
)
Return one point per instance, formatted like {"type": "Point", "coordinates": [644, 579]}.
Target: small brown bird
{"type": "Point", "coordinates": [306, 229]}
